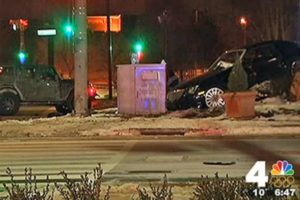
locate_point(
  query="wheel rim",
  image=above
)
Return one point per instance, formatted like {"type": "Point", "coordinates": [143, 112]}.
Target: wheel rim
{"type": "Point", "coordinates": [8, 104]}
{"type": "Point", "coordinates": [213, 98]}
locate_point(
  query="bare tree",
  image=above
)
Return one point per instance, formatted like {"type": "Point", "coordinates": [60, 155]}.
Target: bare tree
{"type": "Point", "coordinates": [274, 20]}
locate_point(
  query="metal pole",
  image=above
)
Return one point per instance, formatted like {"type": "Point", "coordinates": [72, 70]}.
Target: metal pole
{"type": "Point", "coordinates": [165, 41]}
{"type": "Point", "coordinates": [80, 42]}
{"type": "Point", "coordinates": [22, 39]}
{"type": "Point", "coordinates": [298, 35]}
{"type": "Point", "coordinates": [109, 50]}
{"type": "Point", "coordinates": [51, 50]}
{"type": "Point", "coordinates": [245, 36]}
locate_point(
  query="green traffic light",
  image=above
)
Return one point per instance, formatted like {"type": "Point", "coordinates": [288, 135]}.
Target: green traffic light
{"type": "Point", "coordinates": [138, 47]}
{"type": "Point", "coordinates": [22, 57]}
{"type": "Point", "coordinates": [69, 30]}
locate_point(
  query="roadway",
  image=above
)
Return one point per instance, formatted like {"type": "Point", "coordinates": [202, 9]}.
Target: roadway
{"type": "Point", "coordinates": [144, 159]}
{"type": "Point", "coordinates": [32, 112]}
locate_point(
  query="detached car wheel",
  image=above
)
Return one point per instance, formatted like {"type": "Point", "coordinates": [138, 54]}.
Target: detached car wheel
{"type": "Point", "coordinates": [213, 98]}
{"type": "Point", "coordinates": [62, 109]}
{"type": "Point", "coordinates": [9, 104]}
{"type": "Point", "coordinates": [67, 106]}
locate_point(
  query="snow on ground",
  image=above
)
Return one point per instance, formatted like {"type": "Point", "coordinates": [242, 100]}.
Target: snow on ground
{"type": "Point", "coordinates": [275, 116]}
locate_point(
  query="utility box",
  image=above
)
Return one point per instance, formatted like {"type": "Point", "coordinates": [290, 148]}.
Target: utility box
{"type": "Point", "coordinates": [141, 89]}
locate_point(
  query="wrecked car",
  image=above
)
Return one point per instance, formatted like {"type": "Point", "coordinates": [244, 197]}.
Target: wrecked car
{"type": "Point", "coordinates": [267, 61]}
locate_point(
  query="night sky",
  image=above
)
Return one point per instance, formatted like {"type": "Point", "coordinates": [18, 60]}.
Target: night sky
{"type": "Point", "coordinates": [188, 43]}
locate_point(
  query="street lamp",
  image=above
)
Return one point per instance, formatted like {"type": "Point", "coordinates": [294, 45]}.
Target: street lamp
{"type": "Point", "coordinates": [163, 20]}
{"type": "Point", "coordinates": [244, 24]}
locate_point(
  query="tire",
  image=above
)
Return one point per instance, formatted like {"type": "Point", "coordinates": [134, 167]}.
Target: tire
{"type": "Point", "coordinates": [61, 108]}
{"type": "Point", "coordinates": [9, 104]}
{"type": "Point", "coordinates": [89, 104]}
{"type": "Point", "coordinates": [67, 106]}
{"type": "Point", "coordinates": [213, 98]}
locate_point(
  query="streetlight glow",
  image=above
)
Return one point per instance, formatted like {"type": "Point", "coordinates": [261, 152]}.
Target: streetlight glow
{"type": "Point", "coordinates": [243, 21]}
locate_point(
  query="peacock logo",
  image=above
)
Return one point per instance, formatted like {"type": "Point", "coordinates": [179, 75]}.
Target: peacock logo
{"type": "Point", "coordinates": [282, 168]}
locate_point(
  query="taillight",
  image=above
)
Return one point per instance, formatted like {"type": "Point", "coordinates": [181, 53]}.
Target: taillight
{"type": "Point", "coordinates": [92, 91]}
{"type": "Point", "coordinates": [1, 70]}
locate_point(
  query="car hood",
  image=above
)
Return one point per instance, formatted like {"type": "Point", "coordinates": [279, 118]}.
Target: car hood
{"type": "Point", "coordinates": [199, 79]}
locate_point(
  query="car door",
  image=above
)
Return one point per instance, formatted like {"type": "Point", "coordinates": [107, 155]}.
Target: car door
{"type": "Point", "coordinates": [25, 82]}
{"type": "Point", "coordinates": [47, 84]}
{"type": "Point", "coordinates": [266, 62]}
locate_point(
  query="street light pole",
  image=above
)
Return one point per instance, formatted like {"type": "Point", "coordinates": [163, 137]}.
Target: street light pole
{"type": "Point", "coordinates": [80, 42]}
{"type": "Point", "coordinates": [245, 36]}
{"type": "Point", "coordinates": [244, 23]}
{"type": "Point", "coordinates": [163, 20]}
{"type": "Point", "coordinates": [298, 35]}
{"type": "Point", "coordinates": [22, 39]}
{"type": "Point", "coordinates": [109, 49]}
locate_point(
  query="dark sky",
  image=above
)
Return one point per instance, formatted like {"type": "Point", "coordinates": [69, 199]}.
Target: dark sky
{"type": "Point", "coordinates": [37, 9]}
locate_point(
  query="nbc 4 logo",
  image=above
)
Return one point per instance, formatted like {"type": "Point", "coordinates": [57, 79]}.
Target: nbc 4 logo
{"type": "Point", "coordinates": [257, 174]}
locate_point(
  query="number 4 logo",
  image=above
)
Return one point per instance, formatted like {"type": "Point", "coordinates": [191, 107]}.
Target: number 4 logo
{"type": "Point", "coordinates": [257, 174]}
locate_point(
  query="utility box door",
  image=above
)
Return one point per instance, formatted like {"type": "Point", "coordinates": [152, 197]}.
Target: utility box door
{"type": "Point", "coordinates": [126, 89]}
{"type": "Point", "coordinates": [150, 89]}
{"type": "Point", "coordinates": [141, 89]}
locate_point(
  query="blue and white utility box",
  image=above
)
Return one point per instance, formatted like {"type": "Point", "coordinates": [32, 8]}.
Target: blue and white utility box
{"type": "Point", "coordinates": [141, 89]}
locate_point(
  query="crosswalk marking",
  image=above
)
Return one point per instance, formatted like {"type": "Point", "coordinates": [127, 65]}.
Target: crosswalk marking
{"type": "Point", "coordinates": [52, 157]}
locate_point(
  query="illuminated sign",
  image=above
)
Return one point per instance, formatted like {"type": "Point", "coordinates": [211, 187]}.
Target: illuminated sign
{"type": "Point", "coordinates": [99, 23]}
{"type": "Point", "coordinates": [46, 32]}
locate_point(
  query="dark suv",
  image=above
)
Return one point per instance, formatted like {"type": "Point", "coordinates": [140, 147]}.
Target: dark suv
{"type": "Point", "coordinates": [272, 61]}
{"type": "Point", "coordinates": [35, 84]}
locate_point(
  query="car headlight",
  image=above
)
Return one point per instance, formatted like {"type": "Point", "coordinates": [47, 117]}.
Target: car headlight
{"type": "Point", "coordinates": [200, 93]}
{"type": "Point", "coordinates": [179, 90]}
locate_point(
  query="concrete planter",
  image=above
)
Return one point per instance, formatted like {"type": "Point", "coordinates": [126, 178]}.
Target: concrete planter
{"type": "Point", "coordinates": [240, 104]}
{"type": "Point", "coordinates": [295, 87]}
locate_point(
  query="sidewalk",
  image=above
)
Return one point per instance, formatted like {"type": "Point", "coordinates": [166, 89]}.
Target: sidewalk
{"type": "Point", "coordinates": [275, 118]}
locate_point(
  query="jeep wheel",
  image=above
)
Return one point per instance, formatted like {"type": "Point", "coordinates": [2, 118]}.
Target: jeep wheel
{"type": "Point", "coordinates": [9, 104]}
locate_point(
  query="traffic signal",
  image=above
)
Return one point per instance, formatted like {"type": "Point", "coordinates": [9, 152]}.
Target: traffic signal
{"type": "Point", "coordinates": [22, 57]}
{"type": "Point", "coordinates": [21, 24]}
{"type": "Point", "coordinates": [69, 30]}
{"type": "Point", "coordinates": [24, 24]}
{"type": "Point", "coordinates": [138, 48]}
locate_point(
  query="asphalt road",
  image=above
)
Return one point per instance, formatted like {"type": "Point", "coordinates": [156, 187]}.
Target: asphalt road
{"type": "Point", "coordinates": [145, 159]}
{"type": "Point", "coordinates": [32, 112]}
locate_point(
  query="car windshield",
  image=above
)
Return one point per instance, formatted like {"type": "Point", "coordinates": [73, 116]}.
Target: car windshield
{"type": "Point", "coordinates": [226, 60]}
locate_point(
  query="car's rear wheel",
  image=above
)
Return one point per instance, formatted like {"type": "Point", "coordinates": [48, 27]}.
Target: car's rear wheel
{"type": "Point", "coordinates": [213, 98]}
{"type": "Point", "coordinates": [9, 103]}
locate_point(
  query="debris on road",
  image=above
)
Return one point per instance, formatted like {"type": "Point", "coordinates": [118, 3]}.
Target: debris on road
{"type": "Point", "coordinates": [274, 116]}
